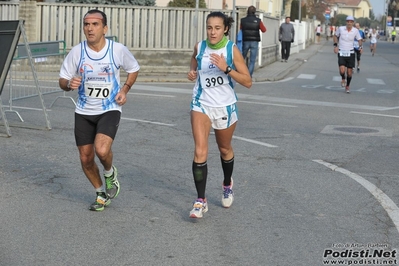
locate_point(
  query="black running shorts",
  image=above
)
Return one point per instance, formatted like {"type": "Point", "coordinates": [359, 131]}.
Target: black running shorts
{"type": "Point", "coordinates": [347, 61]}
{"type": "Point", "coordinates": [87, 126]}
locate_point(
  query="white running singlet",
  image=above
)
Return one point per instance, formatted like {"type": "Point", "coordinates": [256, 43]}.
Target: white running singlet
{"type": "Point", "coordinates": [213, 87]}
{"type": "Point", "coordinates": [100, 72]}
{"type": "Point", "coordinates": [346, 38]}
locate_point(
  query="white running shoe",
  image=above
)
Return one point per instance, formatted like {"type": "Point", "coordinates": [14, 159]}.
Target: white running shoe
{"type": "Point", "coordinates": [228, 195]}
{"type": "Point", "coordinates": [200, 206]}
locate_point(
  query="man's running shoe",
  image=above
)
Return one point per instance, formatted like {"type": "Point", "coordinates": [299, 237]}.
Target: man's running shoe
{"type": "Point", "coordinates": [228, 195]}
{"type": "Point", "coordinates": [102, 200]}
{"type": "Point", "coordinates": [343, 83]}
{"type": "Point", "coordinates": [347, 89]}
{"type": "Point", "coordinates": [200, 207]}
{"type": "Point", "coordinates": [112, 186]}
{"type": "Point", "coordinates": [358, 70]}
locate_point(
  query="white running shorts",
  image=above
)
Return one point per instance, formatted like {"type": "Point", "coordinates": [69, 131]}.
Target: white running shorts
{"type": "Point", "coordinates": [221, 117]}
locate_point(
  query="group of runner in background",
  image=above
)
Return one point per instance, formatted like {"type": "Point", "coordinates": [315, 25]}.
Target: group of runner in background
{"type": "Point", "coordinates": [372, 34]}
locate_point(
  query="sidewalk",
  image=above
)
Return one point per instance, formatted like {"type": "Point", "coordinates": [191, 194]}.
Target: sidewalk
{"type": "Point", "coordinates": [272, 72]}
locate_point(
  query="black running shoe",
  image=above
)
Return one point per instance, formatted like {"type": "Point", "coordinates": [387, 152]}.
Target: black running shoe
{"type": "Point", "coordinates": [102, 200]}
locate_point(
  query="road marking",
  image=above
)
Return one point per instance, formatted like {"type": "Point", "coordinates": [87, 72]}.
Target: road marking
{"type": "Point", "coordinates": [385, 91]}
{"type": "Point", "coordinates": [248, 97]}
{"type": "Point", "coordinates": [256, 142]}
{"type": "Point", "coordinates": [306, 76]}
{"type": "Point", "coordinates": [26, 108]}
{"type": "Point", "coordinates": [252, 141]}
{"type": "Point", "coordinates": [390, 207]}
{"type": "Point", "coordinates": [149, 122]}
{"type": "Point", "coordinates": [277, 81]}
{"type": "Point", "coordinates": [151, 95]}
{"type": "Point", "coordinates": [274, 104]}
{"type": "Point", "coordinates": [362, 113]}
{"type": "Point", "coordinates": [376, 81]}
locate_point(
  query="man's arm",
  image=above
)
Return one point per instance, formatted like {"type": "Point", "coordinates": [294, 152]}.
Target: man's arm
{"type": "Point", "coordinates": [130, 80]}
{"type": "Point", "coordinates": [262, 27]}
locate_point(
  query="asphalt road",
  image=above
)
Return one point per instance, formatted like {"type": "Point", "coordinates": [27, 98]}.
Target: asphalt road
{"type": "Point", "coordinates": [315, 178]}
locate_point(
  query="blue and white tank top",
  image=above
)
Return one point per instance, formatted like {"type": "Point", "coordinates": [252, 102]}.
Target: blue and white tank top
{"type": "Point", "coordinates": [100, 80]}
{"type": "Point", "coordinates": [213, 87]}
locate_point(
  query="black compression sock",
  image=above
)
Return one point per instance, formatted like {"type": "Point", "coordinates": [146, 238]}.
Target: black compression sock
{"type": "Point", "coordinates": [227, 167]}
{"type": "Point", "coordinates": [348, 80]}
{"type": "Point", "coordinates": [200, 173]}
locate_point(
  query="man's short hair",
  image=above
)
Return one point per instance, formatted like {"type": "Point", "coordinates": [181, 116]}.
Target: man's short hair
{"type": "Point", "coordinates": [93, 11]}
{"type": "Point", "coordinates": [287, 17]}
{"type": "Point", "coordinates": [251, 10]}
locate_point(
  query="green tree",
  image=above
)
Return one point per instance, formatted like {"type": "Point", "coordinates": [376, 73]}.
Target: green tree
{"type": "Point", "coordinates": [340, 20]}
{"type": "Point", "coordinates": [364, 22]}
{"type": "Point", "coordinates": [316, 8]}
{"type": "Point", "coordinates": [186, 3]}
{"type": "Point", "coordinates": [295, 10]}
{"type": "Point", "coordinates": [372, 15]}
{"type": "Point", "coordinates": [142, 2]}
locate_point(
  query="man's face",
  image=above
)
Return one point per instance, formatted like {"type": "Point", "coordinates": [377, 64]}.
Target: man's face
{"type": "Point", "coordinates": [287, 20]}
{"type": "Point", "coordinates": [349, 23]}
{"type": "Point", "coordinates": [357, 25]}
{"type": "Point", "coordinates": [94, 28]}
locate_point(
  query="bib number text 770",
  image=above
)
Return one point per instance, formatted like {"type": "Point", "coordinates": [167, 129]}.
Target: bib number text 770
{"type": "Point", "coordinates": [98, 92]}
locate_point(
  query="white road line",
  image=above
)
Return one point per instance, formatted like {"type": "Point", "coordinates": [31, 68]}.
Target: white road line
{"type": "Point", "coordinates": [389, 206]}
{"type": "Point", "coordinates": [376, 81]}
{"type": "Point", "coordinates": [26, 108]}
{"type": "Point", "coordinates": [256, 142]}
{"type": "Point", "coordinates": [306, 76]}
{"type": "Point", "coordinates": [277, 81]}
{"type": "Point", "coordinates": [151, 95]}
{"type": "Point", "coordinates": [394, 116]}
{"type": "Point", "coordinates": [149, 122]}
{"type": "Point", "coordinates": [274, 104]}
{"type": "Point", "coordinates": [243, 96]}
{"type": "Point", "coordinates": [252, 141]}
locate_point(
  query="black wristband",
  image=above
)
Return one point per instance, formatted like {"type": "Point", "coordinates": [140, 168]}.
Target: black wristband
{"type": "Point", "coordinates": [335, 44]}
{"type": "Point", "coordinates": [128, 85]}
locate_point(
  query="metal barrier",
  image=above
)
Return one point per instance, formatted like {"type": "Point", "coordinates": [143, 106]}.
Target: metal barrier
{"type": "Point", "coordinates": [48, 57]}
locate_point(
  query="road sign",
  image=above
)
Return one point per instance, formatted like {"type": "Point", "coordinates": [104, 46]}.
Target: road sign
{"type": "Point", "coordinates": [328, 11]}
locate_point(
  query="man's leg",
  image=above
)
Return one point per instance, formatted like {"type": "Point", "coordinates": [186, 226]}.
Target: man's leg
{"type": "Point", "coordinates": [89, 166]}
{"type": "Point", "coordinates": [245, 49]}
{"type": "Point", "coordinates": [288, 50]}
{"type": "Point", "coordinates": [252, 58]}
{"type": "Point", "coordinates": [283, 50]}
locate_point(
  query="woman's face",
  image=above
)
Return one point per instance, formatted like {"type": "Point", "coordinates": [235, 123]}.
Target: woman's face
{"type": "Point", "coordinates": [215, 29]}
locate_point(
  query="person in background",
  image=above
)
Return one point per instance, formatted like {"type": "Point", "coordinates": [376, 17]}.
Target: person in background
{"type": "Point", "coordinates": [345, 50]}
{"type": "Point", "coordinates": [250, 26]}
{"type": "Point", "coordinates": [393, 35]}
{"type": "Point", "coordinates": [216, 65]}
{"type": "Point", "coordinates": [318, 31]}
{"type": "Point", "coordinates": [286, 37]}
{"type": "Point", "coordinates": [373, 41]}
{"type": "Point", "coordinates": [93, 68]}
{"type": "Point", "coordinates": [356, 46]}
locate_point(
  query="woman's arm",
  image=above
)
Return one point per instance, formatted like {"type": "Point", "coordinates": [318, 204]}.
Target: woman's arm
{"type": "Point", "coordinates": [192, 74]}
{"type": "Point", "coordinates": [241, 73]}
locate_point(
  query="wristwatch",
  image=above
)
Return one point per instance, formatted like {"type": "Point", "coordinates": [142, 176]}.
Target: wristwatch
{"type": "Point", "coordinates": [228, 70]}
